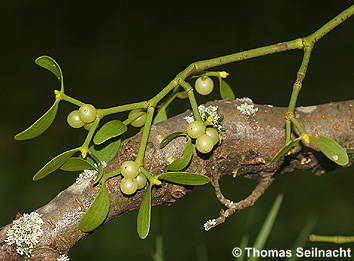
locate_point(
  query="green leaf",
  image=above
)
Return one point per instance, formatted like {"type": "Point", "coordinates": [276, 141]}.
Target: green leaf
{"type": "Point", "coordinates": [267, 226]}
{"type": "Point", "coordinates": [286, 148]}
{"type": "Point", "coordinates": [109, 130]}
{"type": "Point", "coordinates": [160, 116]}
{"type": "Point", "coordinates": [144, 215]}
{"type": "Point", "coordinates": [331, 149]}
{"type": "Point", "coordinates": [106, 153]}
{"type": "Point", "coordinates": [185, 178]}
{"type": "Point", "coordinates": [225, 90]}
{"type": "Point", "coordinates": [40, 125]}
{"type": "Point", "coordinates": [170, 137]}
{"type": "Point", "coordinates": [77, 164]}
{"type": "Point", "coordinates": [51, 65]}
{"type": "Point", "coordinates": [54, 164]}
{"type": "Point", "coordinates": [181, 163]}
{"type": "Point", "coordinates": [97, 212]}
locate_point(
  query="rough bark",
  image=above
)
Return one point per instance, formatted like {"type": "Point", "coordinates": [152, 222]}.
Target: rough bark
{"type": "Point", "coordinates": [248, 144]}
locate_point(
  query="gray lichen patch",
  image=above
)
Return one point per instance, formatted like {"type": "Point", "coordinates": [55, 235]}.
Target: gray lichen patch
{"type": "Point", "coordinates": [25, 233]}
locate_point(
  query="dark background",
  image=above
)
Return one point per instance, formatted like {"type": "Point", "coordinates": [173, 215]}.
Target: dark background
{"type": "Point", "coordinates": [116, 52]}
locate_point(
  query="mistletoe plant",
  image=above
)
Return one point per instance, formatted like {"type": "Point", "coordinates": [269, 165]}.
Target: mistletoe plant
{"type": "Point", "coordinates": [102, 142]}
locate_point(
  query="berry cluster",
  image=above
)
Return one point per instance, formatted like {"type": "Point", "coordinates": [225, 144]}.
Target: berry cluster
{"type": "Point", "coordinates": [82, 117]}
{"type": "Point", "coordinates": [206, 138]}
{"type": "Point", "coordinates": [133, 179]}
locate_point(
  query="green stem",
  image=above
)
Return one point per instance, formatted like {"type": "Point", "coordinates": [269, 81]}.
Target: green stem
{"type": "Point", "coordinates": [300, 43]}
{"type": "Point", "coordinates": [331, 239]}
{"type": "Point", "coordinates": [72, 100]}
{"type": "Point", "coordinates": [189, 90]}
{"type": "Point", "coordinates": [287, 131]}
{"type": "Point", "coordinates": [145, 136]}
{"type": "Point", "coordinates": [169, 100]}
{"type": "Point", "coordinates": [300, 77]}
{"type": "Point", "coordinates": [308, 44]}
{"type": "Point", "coordinates": [297, 125]}
{"type": "Point", "coordinates": [147, 174]}
{"type": "Point", "coordinates": [85, 146]}
{"type": "Point", "coordinates": [112, 174]}
{"type": "Point", "coordinates": [217, 74]}
{"type": "Point", "coordinates": [121, 108]}
{"type": "Point", "coordinates": [236, 57]}
{"type": "Point", "coordinates": [158, 97]}
{"type": "Point", "coordinates": [329, 26]}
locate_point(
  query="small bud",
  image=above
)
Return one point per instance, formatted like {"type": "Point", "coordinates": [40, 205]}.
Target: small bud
{"type": "Point", "coordinates": [305, 138]}
{"type": "Point", "coordinates": [224, 74]}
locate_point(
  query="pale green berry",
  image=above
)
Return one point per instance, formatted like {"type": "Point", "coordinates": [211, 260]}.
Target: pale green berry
{"type": "Point", "coordinates": [204, 144]}
{"type": "Point", "coordinates": [213, 134]}
{"type": "Point", "coordinates": [140, 121]}
{"type": "Point", "coordinates": [204, 85]}
{"type": "Point", "coordinates": [141, 179]}
{"type": "Point", "coordinates": [88, 113]}
{"type": "Point", "coordinates": [74, 119]}
{"type": "Point", "coordinates": [128, 186]}
{"type": "Point", "coordinates": [182, 95]}
{"type": "Point", "coordinates": [196, 129]}
{"type": "Point", "coordinates": [130, 169]}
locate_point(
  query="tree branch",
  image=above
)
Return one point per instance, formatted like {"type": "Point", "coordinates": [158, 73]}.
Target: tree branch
{"type": "Point", "coordinates": [248, 144]}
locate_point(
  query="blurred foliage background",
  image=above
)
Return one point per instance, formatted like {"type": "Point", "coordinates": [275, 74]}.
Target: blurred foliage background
{"type": "Point", "coordinates": [115, 52]}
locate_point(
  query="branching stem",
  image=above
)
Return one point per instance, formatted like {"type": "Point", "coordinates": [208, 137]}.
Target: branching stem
{"type": "Point", "coordinates": [305, 43]}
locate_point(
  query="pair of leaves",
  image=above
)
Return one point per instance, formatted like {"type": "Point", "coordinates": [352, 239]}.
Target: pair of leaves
{"type": "Point", "coordinates": [44, 122]}
{"type": "Point", "coordinates": [144, 214]}
{"type": "Point", "coordinates": [67, 163]}
{"type": "Point", "coordinates": [225, 90]}
{"type": "Point", "coordinates": [109, 130]}
{"type": "Point", "coordinates": [170, 137]}
{"type": "Point", "coordinates": [181, 163]}
{"type": "Point", "coordinates": [97, 212]}
{"type": "Point", "coordinates": [329, 147]}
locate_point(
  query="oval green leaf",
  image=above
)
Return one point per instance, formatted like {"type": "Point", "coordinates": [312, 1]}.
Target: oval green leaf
{"type": "Point", "coordinates": [144, 215]}
{"type": "Point", "coordinates": [286, 148]}
{"type": "Point", "coordinates": [160, 116]}
{"type": "Point", "coordinates": [109, 130]}
{"type": "Point", "coordinates": [225, 90]}
{"type": "Point", "coordinates": [331, 149]}
{"type": "Point", "coordinates": [40, 125]}
{"type": "Point", "coordinates": [54, 164]}
{"type": "Point", "coordinates": [106, 153]}
{"type": "Point", "coordinates": [185, 178]}
{"type": "Point", "coordinates": [51, 65]}
{"type": "Point", "coordinates": [170, 137]}
{"type": "Point", "coordinates": [77, 164]}
{"type": "Point", "coordinates": [97, 212]}
{"type": "Point", "coordinates": [181, 163]}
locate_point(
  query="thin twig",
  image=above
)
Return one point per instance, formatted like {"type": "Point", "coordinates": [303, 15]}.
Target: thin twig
{"type": "Point", "coordinates": [259, 190]}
